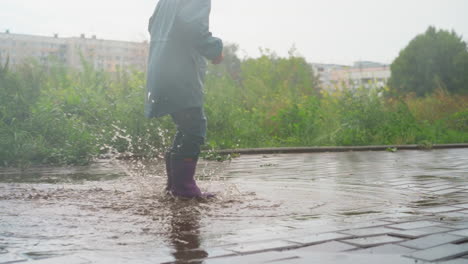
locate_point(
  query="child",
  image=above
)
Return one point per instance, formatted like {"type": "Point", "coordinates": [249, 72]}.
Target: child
{"type": "Point", "coordinates": [180, 43]}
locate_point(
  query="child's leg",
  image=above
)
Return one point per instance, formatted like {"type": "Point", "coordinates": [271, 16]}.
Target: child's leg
{"type": "Point", "coordinates": [191, 127]}
{"type": "Point", "coordinates": [191, 132]}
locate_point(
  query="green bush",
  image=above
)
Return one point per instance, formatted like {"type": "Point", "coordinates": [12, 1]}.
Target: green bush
{"type": "Point", "coordinates": [56, 115]}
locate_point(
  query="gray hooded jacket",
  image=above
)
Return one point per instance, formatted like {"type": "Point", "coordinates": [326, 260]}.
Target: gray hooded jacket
{"type": "Point", "coordinates": [180, 43]}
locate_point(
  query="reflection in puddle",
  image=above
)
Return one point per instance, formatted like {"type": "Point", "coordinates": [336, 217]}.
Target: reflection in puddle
{"type": "Point", "coordinates": [49, 212]}
{"type": "Point", "coordinates": [185, 233]}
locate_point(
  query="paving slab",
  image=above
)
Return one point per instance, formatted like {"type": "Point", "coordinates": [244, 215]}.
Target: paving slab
{"type": "Point", "coordinates": [396, 217]}
{"type": "Point", "coordinates": [463, 232]}
{"type": "Point", "coordinates": [432, 241]}
{"type": "Point", "coordinates": [440, 209]}
{"type": "Point", "coordinates": [402, 182]}
{"type": "Point", "coordinates": [406, 219]}
{"type": "Point", "coordinates": [11, 258]}
{"type": "Point", "coordinates": [63, 260]}
{"type": "Point", "coordinates": [318, 238]}
{"type": "Point", "coordinates": [456, 225]}
{"type": "Point", "coordinates": [263, 246]}
{"type": "Point", "coordinates": [254, 258]}
{"type": "Point", "coordinates": [414, 225]}
{"type": "Point", "coordinates": [389, 249]}
{"type": "Point", "coordinates": [443, 252]}
{"type": "Point", "coordinates": [346, 258]}
{"type": "Point", "coordinates": [365, 224]}
{"type": "Point", "coordinates": [454, 261]}
{"type": "Point", "coordinates": [419, 232]}
{"type": "Point", "coordinates": [447, 191]}
{"type": "Point", "coordinates": [373, 241]}
{"type": "Point", "coordinates": [219, 252]}
{"type": "Point", "coordinates": [373, 231]}
{"type": "Point", "coordinates": [440, 188]}
{"type": "Point", "coordinates": [454, 215]}
{"type": "Point", "coordinates": [434, 184]}
{"type": "Point", "coordinates": [333, 246]}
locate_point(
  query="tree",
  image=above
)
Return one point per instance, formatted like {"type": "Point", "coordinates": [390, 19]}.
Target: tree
{"type": "Point", "coordinates": [437, 59]}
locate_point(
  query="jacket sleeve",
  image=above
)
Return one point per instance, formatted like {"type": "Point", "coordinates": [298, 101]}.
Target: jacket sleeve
{"type": "Point", "coordinates": [194, 21]}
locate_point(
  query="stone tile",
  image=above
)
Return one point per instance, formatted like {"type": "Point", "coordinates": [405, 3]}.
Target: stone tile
{"type": "Point", "coordinates": [463, 232]}
{"type": "Point", "coordinates": [333, 246]}
{"type": "Point", "coordinates": [99, 259]}
{"type": "Point", "coordinates": [311, 227]}
{"type": "Point", "coordinates": [415, 187]}
{"type": "Point", "coordinates": [440, 209]}
{"type": "Point", "coordinates": [318, 238]}
{"type": "Point", "coordinates": [434, 184]}
{"type": "Point", "coordinates": [402, 182]}
{"type": "Point", "coordinates": [11, 258]}
{"type": "Point", "coordinates": [444, 192]}
{"type": "Point", "coordinates": [262, 246]}
{"type": "Point", "coordinates": [373, 241]}
{"type": "Point", "coordinates": [455, 215]}
{"type": "Point", "coordinates": [389, 249]}
{"type": "Point", "coordinates": [419, 232]}
{"type": "Point", "coordinates": [365, 224]}
{"type": "Point", "coordinates": [454, 261]}
{"type": "Point", "coordinates": [218, 252]}
{"type": "Point", "coordinates": [404, 219]}
{"type": "Point", "coordinates": [395, 180]}
{"type": "Point", "coordinates": [373, 231]}
{"type": "Point", "coordinates": [432, 241]}
{"type": "Point", "coordinates": [62, 260]}
{"type": "Point", "coordinates": [456, 225]}
{"type": "Point", "coordinates": [265, 257]}
{"type": "Point", "coordinates": [414, 225]}
{"type": "Point", "coordinates": [397, 215]}
{"type": "Point", "coordinates": [461, 205]}
{"type": "Point", "coordinates": [242, 238]}
{"type": "Point", "coordinates": [440, 188]}
{"type": "Point", "coordinates": [345, 258]}
{"type": "Point", "coordinates": [443, 252]}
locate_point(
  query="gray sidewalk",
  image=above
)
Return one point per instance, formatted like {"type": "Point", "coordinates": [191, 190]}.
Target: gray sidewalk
{"type": "Point", "coordinates": [404, 207]}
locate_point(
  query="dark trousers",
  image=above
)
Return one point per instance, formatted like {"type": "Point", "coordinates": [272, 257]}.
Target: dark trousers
{"type": "Point", "coordinates": [191, 132]}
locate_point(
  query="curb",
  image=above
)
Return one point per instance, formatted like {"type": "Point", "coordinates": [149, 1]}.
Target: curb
{"type": "Point", "coordinates": [252, 151]}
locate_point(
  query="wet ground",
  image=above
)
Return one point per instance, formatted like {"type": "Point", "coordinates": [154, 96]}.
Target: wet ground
{"type": "Point", "coordinates": [116, 211]}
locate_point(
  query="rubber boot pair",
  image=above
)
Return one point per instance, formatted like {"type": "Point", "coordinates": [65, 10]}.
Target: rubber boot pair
{"type": "Point", "coordinates": [181, 177]}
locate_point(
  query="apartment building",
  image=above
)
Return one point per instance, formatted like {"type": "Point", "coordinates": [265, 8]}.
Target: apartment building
{"type": "Point", "coordinates": [107, 55]}
{"type": "Point", "coordinates": [361, 74]}
{"type": "Point", "coordinates": [325, 73]}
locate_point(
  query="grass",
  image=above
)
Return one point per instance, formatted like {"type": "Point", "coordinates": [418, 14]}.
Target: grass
{"type": "Point", "coordinates": [56, 115]}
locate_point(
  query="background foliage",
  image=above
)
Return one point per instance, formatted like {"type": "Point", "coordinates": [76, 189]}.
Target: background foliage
{"type": "Point", "coordinates": [437, 59]}
{"type": "Point", "coordinates": [56, 115]}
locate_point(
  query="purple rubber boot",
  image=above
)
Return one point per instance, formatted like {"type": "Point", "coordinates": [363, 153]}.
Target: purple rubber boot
{"type": "Point", "coordinates": [167, 158]}
{"type": "Point", "coordinates": [183, 181]}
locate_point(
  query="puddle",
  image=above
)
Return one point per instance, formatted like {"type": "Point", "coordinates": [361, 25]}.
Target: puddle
{"type": "Point", "coordinates": [120, 206]}
{"type": "Point", "coordinates": [100, 171]}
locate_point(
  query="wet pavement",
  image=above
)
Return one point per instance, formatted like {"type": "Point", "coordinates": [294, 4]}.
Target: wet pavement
{"type": "Point", "coordinates": [353, 207]}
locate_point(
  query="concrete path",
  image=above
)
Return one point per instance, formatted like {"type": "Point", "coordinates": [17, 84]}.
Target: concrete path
{"type": "Point", "coordinates": [433, 229]}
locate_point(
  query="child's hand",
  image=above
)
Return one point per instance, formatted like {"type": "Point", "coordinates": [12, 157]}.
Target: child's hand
{"type": "Point", "coordinates": [218, 59]}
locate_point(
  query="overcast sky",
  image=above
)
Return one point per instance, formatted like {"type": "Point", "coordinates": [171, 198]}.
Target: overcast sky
{"type": "Point", "coordinates": [327, 31]}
